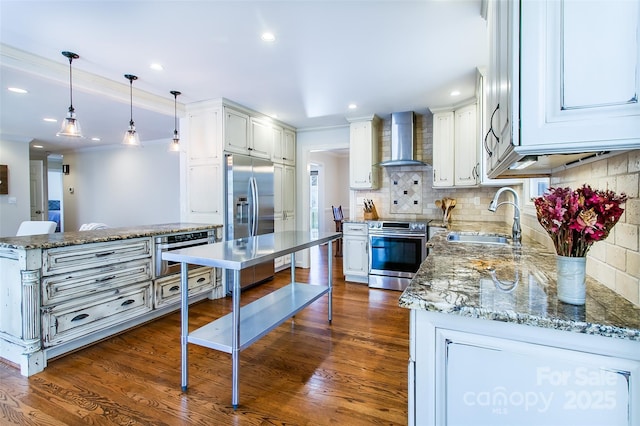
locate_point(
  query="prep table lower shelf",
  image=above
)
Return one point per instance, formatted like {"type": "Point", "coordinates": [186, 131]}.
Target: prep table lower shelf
{"type": "Point", "coordinates": [257, 318]}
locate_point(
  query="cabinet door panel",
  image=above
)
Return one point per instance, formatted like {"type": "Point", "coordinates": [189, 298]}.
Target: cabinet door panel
{"type": "Point", "coordinates": [236, 127]}
{"type": "Point", "coordinates": [443, 149]}
{"type": "Point", "coordinates": [201, 179]}
{"type": "Point", "coordinates": [204, 130]}
{"type": "Point", "coordinates": [261, 139]}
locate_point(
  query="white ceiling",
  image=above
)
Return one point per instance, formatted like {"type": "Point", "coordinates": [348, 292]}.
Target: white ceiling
{"type": "Point", "coordinates": [384, 56]}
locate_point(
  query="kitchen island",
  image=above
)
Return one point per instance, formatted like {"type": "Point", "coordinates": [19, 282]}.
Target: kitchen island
{"type": "Point", "coordinates": [491, 344]}
{"type": "Point", "coordinates": [62, 291]}
{"type": "Point", "coordinates": [245, 325]}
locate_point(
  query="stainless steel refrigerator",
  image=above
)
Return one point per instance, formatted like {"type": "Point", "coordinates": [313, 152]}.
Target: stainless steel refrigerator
{"type": "Point", "coordinates": [249, 210]}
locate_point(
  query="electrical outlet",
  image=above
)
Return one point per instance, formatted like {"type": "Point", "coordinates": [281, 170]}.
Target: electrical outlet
{"type": "Point", "coordinates": [71, 190]}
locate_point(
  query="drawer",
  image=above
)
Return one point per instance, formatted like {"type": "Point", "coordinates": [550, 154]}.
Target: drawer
{"type": "Point", "coordinates": [355, 229]}
{"type": "Point", "coordinates": [67, 321]}
{"type": "Point", "coordinates": [85, 282]}
{"type": "Point", "coordinates": [167, 289]}
{"type": "Point", "coordinates": [77, 257]}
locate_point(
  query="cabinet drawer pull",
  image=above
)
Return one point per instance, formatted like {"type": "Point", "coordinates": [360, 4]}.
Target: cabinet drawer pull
{"type": "Point", "coordinates": [127, 302]}
{"type": "Point", "coordinates": [79, 317]}
{"type": "Point", "coordinates": [106, 253]}
{"type": "Point", "coordinates": [201, 279]}
{"type": "Point", "coordinates": [103, 279]}
{"type": "Point", "coordinates": [175, 288]}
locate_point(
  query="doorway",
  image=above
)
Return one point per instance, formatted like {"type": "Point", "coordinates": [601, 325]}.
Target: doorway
{"type": "Point", "coordinates": [314, 201]}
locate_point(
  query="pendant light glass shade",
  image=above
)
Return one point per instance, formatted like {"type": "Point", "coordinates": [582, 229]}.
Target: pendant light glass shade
{"type": "Point", "coordinates": [175, 142]}
{"type": "Point", "coordinates": [131, 136]}
{"type": "Point", "coordinates": [70, 125]}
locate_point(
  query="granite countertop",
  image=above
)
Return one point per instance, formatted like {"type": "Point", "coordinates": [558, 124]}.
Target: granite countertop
{"type": "Point", "coordinates": [61, 239]}
{"type": "Point", "coordinates": [502, 283]}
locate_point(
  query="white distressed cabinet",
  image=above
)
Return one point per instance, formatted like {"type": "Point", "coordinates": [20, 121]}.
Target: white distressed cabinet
{"type": "Point", "coordinates": [355, 252]}
{"type": "Point", "coordinates": [364, 153]}
{"type": "Point", "coordinates": [564, 78]}
{"type": "Point", "coordinates": [284, 187]}
{"type": "Point", "coordinates": [90, 287]}
{"type": "Point", "coordinates": [455, 147]}
{"type": "Point", "coordinates": [465, 370]}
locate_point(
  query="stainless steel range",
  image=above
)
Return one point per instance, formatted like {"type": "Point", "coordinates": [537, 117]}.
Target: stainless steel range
{"type": "Point", "coordinates": [396, 250]}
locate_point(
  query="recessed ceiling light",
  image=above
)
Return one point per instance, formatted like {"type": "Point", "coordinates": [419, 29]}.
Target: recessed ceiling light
{"type": "Point", "coordinates": [353, 106]}
{"type": "Point", "coordinates": [95, 139]}
{"type": "Point", "coordinates": [50, 120]}
{"type": "Point", "coordinates": [156, 67]}
{"type": "Point", "coordinates": [17, 90]}
{"type": "Point", "coordinates": [38, 146]}
{"type": "Point", "coordinates": [267, 36]}
{"type": "Point", "coordinates": [455, 93]}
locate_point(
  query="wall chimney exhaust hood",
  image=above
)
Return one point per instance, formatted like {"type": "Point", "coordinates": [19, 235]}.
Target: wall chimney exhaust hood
{"type": "Point", "coordinates": [402, 141]}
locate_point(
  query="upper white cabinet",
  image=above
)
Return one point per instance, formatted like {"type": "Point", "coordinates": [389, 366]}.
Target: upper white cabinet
{"type": "Point", "coordinates": [247, 135]}
{"type": "Point", "coordinates": [363, 153]}
{"type": "Point", "coordinates": [284, 146]}
{"type": "Point", "coordinates": [443, 150]}
{"type": "Point", "coordinates": [568, 72]}
{"type": "Point", "coordinates": [236, 131]}
{"type": "Point", "coordinates": [455, 147]}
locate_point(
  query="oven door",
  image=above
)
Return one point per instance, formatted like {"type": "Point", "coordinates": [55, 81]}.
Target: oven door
{"type": "Point", "coordinates": [396, 255]}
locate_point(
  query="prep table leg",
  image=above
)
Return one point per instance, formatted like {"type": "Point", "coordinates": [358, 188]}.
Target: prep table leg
{"type": "Point", "coordinates": [184, 320]}
{"type": "Point", "coordinates": [235, 340]}
{"type": "Point", "coordinates": [330, 278]}
{"type": "Point", "coordinates": [293, 268]}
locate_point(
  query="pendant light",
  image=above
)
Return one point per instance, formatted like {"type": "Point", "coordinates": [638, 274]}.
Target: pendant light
{"type": "Point", "coordinates": [70, 125]}
{"type": "Point", "coordinates": [131, 137]}
{"type": "Point", "coordinates": [175, 143]}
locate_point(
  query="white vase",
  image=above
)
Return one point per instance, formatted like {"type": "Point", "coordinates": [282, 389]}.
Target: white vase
{"type": "Point", "coordinates": [571, 284]}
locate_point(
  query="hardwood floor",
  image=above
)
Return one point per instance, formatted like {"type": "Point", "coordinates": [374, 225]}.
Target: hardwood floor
{"type": "Point", "coordinates": [305, 372]}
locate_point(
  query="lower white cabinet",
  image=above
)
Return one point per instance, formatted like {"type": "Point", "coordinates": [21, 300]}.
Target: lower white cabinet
{"type": "Point", "coordinates": [167, 289]}
{"type": "Point", "coordinates": [475, 371]}
{"type": "Point", "coordinates": [284, 201]}
{"type": "Point", "coordinates": [355, 252]}
{"type": "Point", "coordinates": [80, 316]}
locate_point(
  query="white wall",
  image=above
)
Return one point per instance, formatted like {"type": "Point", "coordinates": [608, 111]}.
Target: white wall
{"type": "Point", "coordinates": [122, 186]}
{"type": "Point", "coordinates": [16, 156]}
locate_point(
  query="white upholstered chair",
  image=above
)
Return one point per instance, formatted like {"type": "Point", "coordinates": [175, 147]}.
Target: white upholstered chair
{"type": "Point", "coordinates": [36, 227]}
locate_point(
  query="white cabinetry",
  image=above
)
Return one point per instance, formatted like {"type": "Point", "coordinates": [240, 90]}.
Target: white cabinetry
{"type": "Point", "coordinates": [90, 287]}
{"type": "Point", "coordinates": [236, 131]}
{"type": "Point", "coordinates": [355, 249]}
{"type": "Point", "coordinates": [201, 280]}
{"type": "Point", "coordinates": [455, 147]}
{"type": "Point", "coordinates": [566, 78]}
{"type": "Point", "coordinates": [216, 127]}
{"type": "Point", "coordinates": [284, 146]}
{"type": "Point", "coordinates": [204, 166]}
{"type": "Point", "coordinates": [284, 201]}
{"type": "Point", "coordinates": [528, 375]}
{"type": "Point", "coordinates": [364, 153]}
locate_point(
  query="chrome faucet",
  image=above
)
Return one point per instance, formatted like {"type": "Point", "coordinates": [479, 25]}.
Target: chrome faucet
{"type": "Point", "coordinates": [516, 231]}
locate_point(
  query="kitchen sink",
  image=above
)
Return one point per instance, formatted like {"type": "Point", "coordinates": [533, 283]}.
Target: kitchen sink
{"type": "Point", "coordinates": [462, 237]}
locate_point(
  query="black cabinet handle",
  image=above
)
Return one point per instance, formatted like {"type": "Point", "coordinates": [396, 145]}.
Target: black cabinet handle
{"type": "Point", "coordinates": [486, 145]}
{"type": "Point", "coordinates": [201, 279]}
{"type": "Point", "coordinates": [175, 288]}
{"type": "Point", "coordinates": [127, 302]}
{"type": "Point", "coordinates": [106, 253]}
{"type": "Point", "coordinates": [103, 279]}
{"type": "Point", "coordinates": [79, 317]}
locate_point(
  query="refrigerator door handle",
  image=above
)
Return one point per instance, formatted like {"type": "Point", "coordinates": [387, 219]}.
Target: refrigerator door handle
{"type": "Point", "coordinates": [253, 222]}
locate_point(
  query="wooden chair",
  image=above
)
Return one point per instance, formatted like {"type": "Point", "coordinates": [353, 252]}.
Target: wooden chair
{"type": "Point", "coordinates": [338, 218]}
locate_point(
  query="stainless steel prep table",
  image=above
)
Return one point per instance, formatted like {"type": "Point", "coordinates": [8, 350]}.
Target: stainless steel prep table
{"type": "Point", "coordinates": [244, 325]}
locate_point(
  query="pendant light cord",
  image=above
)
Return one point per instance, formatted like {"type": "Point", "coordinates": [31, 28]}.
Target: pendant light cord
{"type": "Point", "coordinates": [71, 85]}
{"type": "Point", "coordinates": [131, 101]}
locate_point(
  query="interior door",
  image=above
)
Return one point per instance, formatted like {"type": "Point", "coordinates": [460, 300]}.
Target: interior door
{"type": "Point", "coordinates": [36, 184]}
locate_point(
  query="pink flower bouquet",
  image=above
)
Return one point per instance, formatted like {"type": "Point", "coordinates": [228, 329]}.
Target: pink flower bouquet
{"type": "Point", "coordinates": [576, 219]}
